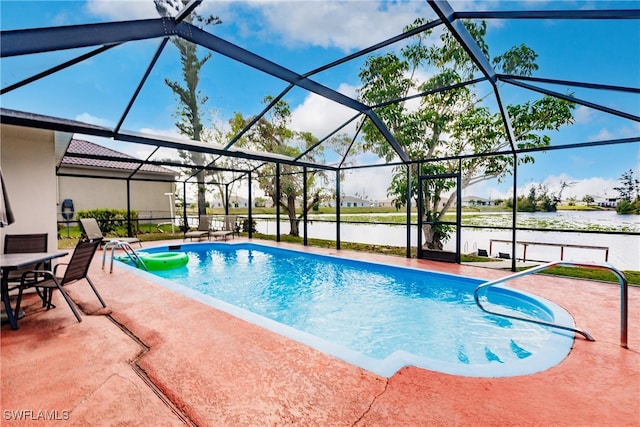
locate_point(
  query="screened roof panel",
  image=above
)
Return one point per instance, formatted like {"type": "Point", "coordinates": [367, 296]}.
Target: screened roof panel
{"type": "Point", "coordinates": [260, 49]}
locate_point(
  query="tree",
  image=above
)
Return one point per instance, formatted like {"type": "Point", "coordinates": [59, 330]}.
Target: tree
{"type": "Point", "coordinates": [452, 122]}
{"type": "Point", "coordinates": [630, 186]}
{"type": "Point", "coordinates": [272, 134]}
{"type": "Point", "coordinates": [191, 101]}
{"type": "Point", "coordinates": [588, 199]}
{"type": "Point", "coordinates": [629, 193]}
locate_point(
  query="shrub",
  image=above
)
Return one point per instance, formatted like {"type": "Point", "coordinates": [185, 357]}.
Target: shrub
{"type": "Point", "coordinates": [110, 220]}
{"type": "Point", "coordinates": [626, 207]}
{"type": "Point", "coordinates": [245, 226]}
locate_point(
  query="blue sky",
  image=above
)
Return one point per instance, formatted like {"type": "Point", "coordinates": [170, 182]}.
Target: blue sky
{"type": "Point", "coordinates": [303, 35]}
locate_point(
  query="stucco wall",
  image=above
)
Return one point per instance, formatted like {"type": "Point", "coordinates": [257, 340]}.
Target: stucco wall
{"type": "Point", "coordinates": [95, 193]}
{"type": "Point", "coordinates": [27, 158]}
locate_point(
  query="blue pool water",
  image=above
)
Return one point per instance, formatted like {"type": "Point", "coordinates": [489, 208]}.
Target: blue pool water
{"type": "Point", "coordinates": [376, 316]}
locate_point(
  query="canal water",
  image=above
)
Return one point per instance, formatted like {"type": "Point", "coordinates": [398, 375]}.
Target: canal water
{"type": "Point", "coordinates": [623, 253]}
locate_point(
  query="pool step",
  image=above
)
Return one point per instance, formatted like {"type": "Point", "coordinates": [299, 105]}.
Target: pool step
{"type": "Point", "coordinates": [491, 356]}
{"type": "Point", "coordinates": [520, 352]}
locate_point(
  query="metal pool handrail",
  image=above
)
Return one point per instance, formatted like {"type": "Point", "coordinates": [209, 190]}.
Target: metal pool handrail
{"type": "Point", "coordinates": [624, 296]}
{"type": "Point", "coordinates": [128, 250]}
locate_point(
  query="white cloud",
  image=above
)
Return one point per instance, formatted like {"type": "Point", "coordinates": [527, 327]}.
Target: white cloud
{"type": "Point", "coordinates": [371, 182]}
{"type": "Point", "coordinates": [121, 10]}
{"type": "Point", "coordinates": [345, 25]}
{"type": "Point", "coordinates": [321, 116]}
{"type": "Point", "coordinates": [577, 188]}
{"type": "Point", "coordinates": [98, 121]}
{"type": "Point", "coordinates": [583, 114]}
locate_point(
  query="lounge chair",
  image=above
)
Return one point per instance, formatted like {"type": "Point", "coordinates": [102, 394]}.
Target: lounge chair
{"type": "Point", "coordinates": [76, 269]}
{"type": "Point", "coordinates": [202, 231]}
{"type": "Point", "coordinates": [229, 227]}
{"type": "Point", "coordinates": [93, 232]}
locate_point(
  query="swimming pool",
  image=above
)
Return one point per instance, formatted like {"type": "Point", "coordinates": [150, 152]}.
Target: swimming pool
{"type": "Point", "coordinates": [376, 316]}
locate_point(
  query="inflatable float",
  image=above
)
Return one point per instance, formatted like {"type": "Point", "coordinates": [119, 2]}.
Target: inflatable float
{"type": "Point", "coordinates": [164, 260]}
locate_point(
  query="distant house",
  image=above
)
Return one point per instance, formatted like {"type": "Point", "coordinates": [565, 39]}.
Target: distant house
{"type": "Point", "coordinates": [350, 202]}
{"type": "Point", "coordinates": [98, 181]}
{"type": "Point", "coordinates": [234, 202]}
{"type": "Point", "coordinates": [470, 201]}
{"type": "Point", "coordinates": [386, 203]}
{"type": "Point", "coordinates": [606, 202]}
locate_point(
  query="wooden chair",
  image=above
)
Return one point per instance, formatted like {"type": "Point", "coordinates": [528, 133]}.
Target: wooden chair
{"type": "Point", "coordinates": [47, 281]}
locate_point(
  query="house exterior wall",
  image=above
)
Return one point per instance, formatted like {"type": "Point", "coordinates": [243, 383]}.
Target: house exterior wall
{"type": "Point", "coordinates": [27, 158]}
{"type": "Point", "coordinates": [148, 198]}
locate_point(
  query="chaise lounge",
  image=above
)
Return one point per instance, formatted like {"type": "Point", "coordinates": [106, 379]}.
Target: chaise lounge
{"type": "Point", "coordinates": [93, 232]}
{"type": "Point", "coordinates": [202, 231]}
{"type": "Point", "coordinates": [229, 227]}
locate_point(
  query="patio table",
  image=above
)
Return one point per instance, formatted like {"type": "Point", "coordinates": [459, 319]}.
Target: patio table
{"type": "Point", "coordinates": [10, 262]}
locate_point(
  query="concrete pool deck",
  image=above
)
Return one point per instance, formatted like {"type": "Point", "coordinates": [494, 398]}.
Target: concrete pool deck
{"type": "Point", "coordinates": [157, 358]}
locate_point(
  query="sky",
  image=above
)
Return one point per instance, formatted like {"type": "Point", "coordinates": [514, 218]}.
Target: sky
{"type": "Point", "coordinates": [303, 35]}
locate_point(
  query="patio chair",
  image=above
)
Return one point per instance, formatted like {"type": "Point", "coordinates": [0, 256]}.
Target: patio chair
{"type": "Point", "coordinates": [202, 231]}
{"type": "Point", "coordinates": [76, 269]}
{"type": "Point", "coordinates": [229, 227]}
{"type": "Point", "coordinates": [21, 244]}
{"type": "Point", "coordinates": [93, 232]}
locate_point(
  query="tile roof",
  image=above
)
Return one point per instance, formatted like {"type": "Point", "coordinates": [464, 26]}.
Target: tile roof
{"type": "Point", "coordinates": [128, 163]}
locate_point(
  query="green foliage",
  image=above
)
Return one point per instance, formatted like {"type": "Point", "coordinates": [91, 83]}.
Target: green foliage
{"type": "Point", "coordinates": [630, 186]}
{"type": "Point", "coordinates": [191, 102]}
{"type": "Point", "coordinates": [538, 200]}
{"type": "Point", "coordinates": [272, 133]}
{"type": "Point", "coordinates": [626, 207]}
{"type": "Point", "coordinates": [451, 122]}
{"type": "Point", "coordinates": [245, 226]}
{"type": "Point", "coordinates": [111, 220]}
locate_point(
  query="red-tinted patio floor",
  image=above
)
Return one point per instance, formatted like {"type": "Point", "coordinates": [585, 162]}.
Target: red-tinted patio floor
{"type": "Point", "coordinates": [158, 358]}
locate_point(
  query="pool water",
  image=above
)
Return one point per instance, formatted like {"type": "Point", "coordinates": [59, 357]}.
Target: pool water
{"type": "Point", "coordinates": [376, 316]}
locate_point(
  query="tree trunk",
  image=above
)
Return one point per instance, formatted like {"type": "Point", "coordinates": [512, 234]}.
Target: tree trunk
{"type": "Point", "coordinates": [293, 221]}
{"type": "Point", "coordinates": [202, 203]}
{"type": "Point", "coordinates": [429, 242]}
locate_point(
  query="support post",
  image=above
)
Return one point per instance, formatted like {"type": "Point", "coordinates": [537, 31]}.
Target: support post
{"type": "Point", "coordinates": [250, 207]}
{"type": "Point", "coordinates": [304, 206]}
{"type": "Point", "coordinates": [226, 198]}
{"type": "Point", "coordinates": [338, 209]}
{"type": "Point", "coordinates": [129, 232]}
{"type": "Point", "coordinates": [184, 207]}
{"type": "Point", "coordinates": [278, 202]}
{"type": "Point", "coordinates": [514, 212]}
{"type": "Point", "coordinates": [408, 196]}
